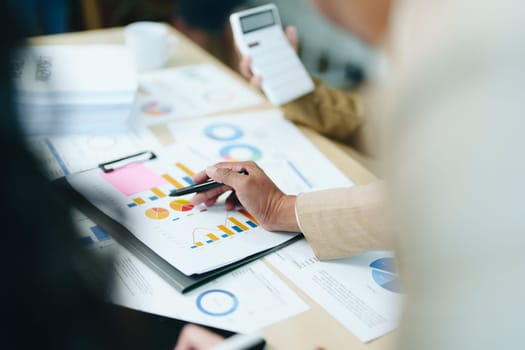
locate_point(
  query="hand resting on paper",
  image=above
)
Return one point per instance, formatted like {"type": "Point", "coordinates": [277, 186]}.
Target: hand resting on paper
{"type": "Point", "coordinates": [255, 192]}
{"type": "Point", "coordinates": [194, 337]}
{"type": "Point", "coordinates": [245, 61]}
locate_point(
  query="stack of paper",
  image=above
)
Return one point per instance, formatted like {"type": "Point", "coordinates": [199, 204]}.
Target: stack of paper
{"type": "Point", "coordinates": [195, 239]}
{"type": "Point", "coordinates": [76, 88]}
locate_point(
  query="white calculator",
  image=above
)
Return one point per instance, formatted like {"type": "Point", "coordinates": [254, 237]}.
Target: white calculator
{"type": "Point", "coordinates": [258, 33]}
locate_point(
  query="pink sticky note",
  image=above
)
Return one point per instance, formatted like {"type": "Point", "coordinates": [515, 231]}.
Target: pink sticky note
{"type": "Point", "coordinates": [133, 178]}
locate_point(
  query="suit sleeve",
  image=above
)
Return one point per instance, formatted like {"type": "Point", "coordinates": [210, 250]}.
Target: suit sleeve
{"type": "Point", "coordinates": [334, 113]}
{"type": "Point", "coordinates": [343, 222]}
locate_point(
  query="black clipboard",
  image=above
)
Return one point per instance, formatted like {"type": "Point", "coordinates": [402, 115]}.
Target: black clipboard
{"type": "Point", "coordinates": [181, 282]}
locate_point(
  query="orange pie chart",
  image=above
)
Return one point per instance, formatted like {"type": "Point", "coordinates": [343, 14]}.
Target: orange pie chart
{"type": "Point", "coordinates": [181, 205]}
{"type": "Point", "coordinates": [157, 213]}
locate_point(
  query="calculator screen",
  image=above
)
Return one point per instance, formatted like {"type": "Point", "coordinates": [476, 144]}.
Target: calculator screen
{"type": "Point", "coordinates": [257, 21]}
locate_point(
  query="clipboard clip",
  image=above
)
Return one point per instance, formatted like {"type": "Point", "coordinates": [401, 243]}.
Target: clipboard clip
{"type": "Point", "coordinates": [140, 157]}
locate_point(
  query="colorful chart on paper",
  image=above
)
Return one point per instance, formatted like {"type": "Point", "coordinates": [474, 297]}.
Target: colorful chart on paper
{"type": "Point", "coordinates": [267, 138]}
{"type": "Point", "coordinates": [384, 273]}
{"type": "Point", "coordinates": [194, 238]}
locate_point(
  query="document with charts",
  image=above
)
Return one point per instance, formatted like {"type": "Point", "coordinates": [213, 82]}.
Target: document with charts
{"type": "Point", "coordinates": [197, 239]}
{"type": "Point", "coordinates": [194, 239]}
{"type": "Point", "coordinates": [362, 292]}
{"type": "Point", "coordinates": [244, 300]}
{"type": "Point", "coordinates": [189, 91]}
{"type": "Point", "coordinates": [66, 154]}
{"type": "Point", "coordinates": [268, 139]}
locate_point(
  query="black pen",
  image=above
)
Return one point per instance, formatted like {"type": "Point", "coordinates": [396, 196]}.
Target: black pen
{"type": "Point", "coordinates": [204, 186]}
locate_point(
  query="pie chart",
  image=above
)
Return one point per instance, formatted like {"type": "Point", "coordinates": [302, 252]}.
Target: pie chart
{"type": "Point", "coordinates": [155, 109]}
{"type": "Point", "coordinates": [384, 273]}
{"type": "Point", "coordinates": [217, 302]}
{"type": "Point", "coordinates": [223, 132]}
{"type": "Point", "coordinates": [181, 205]}
{"type": "Point", "coordinates": [157, 213]}
{"type": "Point", "coordinates": [240, 152]}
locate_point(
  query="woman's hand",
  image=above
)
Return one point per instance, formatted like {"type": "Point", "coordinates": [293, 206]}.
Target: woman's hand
{"type": "Point", "coordinates": [274, 210]}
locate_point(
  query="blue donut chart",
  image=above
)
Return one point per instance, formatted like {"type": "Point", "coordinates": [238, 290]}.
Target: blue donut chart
{"type": "Point", "coordinates": [235, 302]}
{"type": "Point", "coordinates": [226, 152]}
{"type": "Point", "coordinates": [233, 132]}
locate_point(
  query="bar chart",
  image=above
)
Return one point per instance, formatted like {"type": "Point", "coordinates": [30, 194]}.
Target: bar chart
{"type": "Point", "coordinates": [148, 186]}
{"type": "Point", "coordinates": [233, 226]}
{"type": "Point", "coordinates": [96, 234]}
{"type": "Point", "coordinates": [151, 187]}
{"type": "Point", "coordinates": [193, 238]}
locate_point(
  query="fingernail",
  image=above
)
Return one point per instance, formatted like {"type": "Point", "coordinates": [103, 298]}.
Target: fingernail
{"type": "Point", "coordinates": [211, 170]}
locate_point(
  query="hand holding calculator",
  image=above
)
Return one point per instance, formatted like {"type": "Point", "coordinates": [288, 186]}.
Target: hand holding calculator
{"type": "Point", "coordinates": [258, 34]}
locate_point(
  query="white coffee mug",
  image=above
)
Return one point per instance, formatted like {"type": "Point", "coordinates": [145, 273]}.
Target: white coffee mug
{"type": "Point", "coordinates": [150, 44]}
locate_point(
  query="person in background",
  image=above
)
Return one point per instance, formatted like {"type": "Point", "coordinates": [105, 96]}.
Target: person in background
{"type": "Point", "coordinates": [339, 114]}
{"type": "Point", "coordinates": [206, 23]}
{"type": "Point", "coordinates": [42, 17]}
{"type": "Point", "coordinates": [451, 141]}
{"type": "Point", "coordinates": [335, 113]}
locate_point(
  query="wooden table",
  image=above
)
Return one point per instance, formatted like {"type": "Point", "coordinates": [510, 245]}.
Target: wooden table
{"type": "Point", "coordinates": [314, 327]}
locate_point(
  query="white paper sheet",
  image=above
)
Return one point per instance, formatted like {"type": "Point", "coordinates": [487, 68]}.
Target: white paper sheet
{"type": "Point", "coordinates": [265, 137]}
{"type": "Point", "coordinates": [245, 300]}
{"type": "Point", "coordinates": [194, 239]}
{"type": "Point", "coordinates": [76, 75]}
{"type": "Point", "coordinates": [66, 89]}
{"type": "Point", "coordinates": [63, 155]}
{"type": "Point", "coordinates": [361, 292]}
{"type": "Point", "coordinates": [189, 91]}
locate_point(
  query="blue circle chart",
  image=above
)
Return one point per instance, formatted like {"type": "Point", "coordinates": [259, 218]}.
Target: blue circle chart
{"type": "Point", "coordinates": [240, 152]}
{"type": "Point", "coordinates": [229, 297]}
{"type": "Point", "coordinates": [223, 132]}
{"type": "Point", "coordinates": [384, 273]}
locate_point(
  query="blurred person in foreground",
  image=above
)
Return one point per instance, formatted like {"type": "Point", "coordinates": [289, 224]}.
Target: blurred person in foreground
{"type": "Point", "coordinates": [54, 291]}
{"type": "Point", "coordinates": [451, 131]}
{"type": "Point", "coordinates": [49, 301]}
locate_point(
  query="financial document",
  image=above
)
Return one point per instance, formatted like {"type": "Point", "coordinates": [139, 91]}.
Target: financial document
{"type": "Point", "coordinates": [63, 155]}
{"type": "Point", "coordinates": [63, 89]}
{"type": "Point", "coordinates": [189, 91]}
{"type": "Point", "coordinates": [362, 292]}
{"type": "Point", "coordinates": [197, 239]}
{"type": "Point", "coordinates": [268, 139]}
{"type": "Point", "coordinates": [245, 300]}
{"type": "Point", "coordinates": [193, 239]}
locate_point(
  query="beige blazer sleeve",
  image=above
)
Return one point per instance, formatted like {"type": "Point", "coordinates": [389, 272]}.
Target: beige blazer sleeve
{"type": "Point", "coordinates": [344, 221]}
{"type": "Point", "coordinates": [334, 113]}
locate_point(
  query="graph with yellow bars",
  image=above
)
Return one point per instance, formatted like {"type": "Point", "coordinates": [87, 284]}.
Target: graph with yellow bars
{"type": "Point", "coordinates": [181, 176]}
{"type": "Point", "coordinates": [235, 227]}
{"type": "Point", "coordinates": [155, 193]}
